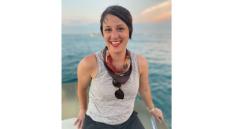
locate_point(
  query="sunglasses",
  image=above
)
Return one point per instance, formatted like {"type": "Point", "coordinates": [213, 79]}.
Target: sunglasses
{"type": "Point", "coordinates": [118, 79]}
{"type": "Point", "coordinates": [119, 94]}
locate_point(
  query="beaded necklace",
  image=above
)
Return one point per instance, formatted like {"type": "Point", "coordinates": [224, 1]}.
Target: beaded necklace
{"type": "Point", "coordinates": [118, 77]}
{"type": "Point", "coordinates": [125, 67]}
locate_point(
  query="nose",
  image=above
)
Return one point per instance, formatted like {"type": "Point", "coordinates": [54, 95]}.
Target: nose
{"type": "Point", "coordinates": [114, 35]}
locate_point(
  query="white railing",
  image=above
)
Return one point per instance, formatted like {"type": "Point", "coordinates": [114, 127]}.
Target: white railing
{"type": "Point", "coordinates": [153, 122]}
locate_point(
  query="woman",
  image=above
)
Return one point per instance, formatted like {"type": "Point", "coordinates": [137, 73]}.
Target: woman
{"type": "Point", "coordinates": [114, 76]}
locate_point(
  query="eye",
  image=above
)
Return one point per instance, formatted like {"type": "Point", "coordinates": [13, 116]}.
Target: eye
{"type": "Point", "coordinates": [108, 30]}
{"type": "Point", "coordinates": [120, 29]}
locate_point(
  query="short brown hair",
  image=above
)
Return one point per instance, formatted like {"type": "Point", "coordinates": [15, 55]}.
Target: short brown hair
{"type": "Point", "coordinates": [120, 12]}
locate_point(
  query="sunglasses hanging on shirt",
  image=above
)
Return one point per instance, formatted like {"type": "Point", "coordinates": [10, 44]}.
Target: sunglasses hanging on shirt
{"type": "Point", "coordinates": [121, 78]}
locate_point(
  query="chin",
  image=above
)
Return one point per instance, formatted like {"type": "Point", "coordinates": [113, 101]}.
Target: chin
{"type": "Point", "coordinates": [117, 50]}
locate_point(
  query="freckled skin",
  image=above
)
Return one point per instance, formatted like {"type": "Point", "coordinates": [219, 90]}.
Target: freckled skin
{"type": "Point", "coordinates": [115, 34]}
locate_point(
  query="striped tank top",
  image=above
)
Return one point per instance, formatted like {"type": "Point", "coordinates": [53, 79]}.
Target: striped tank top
{"type": "Point", "coordinates": [103, 106]}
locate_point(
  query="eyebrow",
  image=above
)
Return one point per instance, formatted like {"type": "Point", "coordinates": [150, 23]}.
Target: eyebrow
{"type": "Point", "coordinates": [107, 26]}
{"type": "Point", "coordinates": [119, 25]}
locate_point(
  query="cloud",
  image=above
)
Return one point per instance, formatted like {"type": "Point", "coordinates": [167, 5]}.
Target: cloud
{"type": "Point", "coordinates": [157, 13]}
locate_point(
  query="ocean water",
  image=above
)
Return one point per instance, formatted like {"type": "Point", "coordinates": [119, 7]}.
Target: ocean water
{"type": "Point", "coordinates": [152, 42]}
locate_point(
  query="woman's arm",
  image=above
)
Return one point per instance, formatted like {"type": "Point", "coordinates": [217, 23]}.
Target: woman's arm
{"type": "Point", "coordinates": [145, 90]}
{"type": "Point", "coordinates": [85, 73]}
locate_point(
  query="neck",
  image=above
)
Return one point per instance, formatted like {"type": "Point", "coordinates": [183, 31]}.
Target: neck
{"type": "Point", "coordinates": [118, 57]}
{"type": "Point", "coordinates": [117, 62]}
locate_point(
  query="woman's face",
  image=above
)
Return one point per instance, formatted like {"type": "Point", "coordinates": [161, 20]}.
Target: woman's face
{"type": "Point", "coordinates": [115, 33]}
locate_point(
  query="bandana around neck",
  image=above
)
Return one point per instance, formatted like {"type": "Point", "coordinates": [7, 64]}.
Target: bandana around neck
{"type": "Point", "coordinates": [123, 77]}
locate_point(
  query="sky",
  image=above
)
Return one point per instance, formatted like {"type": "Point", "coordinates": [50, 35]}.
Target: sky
{"type": "Point", "coordinates": [81, 12]}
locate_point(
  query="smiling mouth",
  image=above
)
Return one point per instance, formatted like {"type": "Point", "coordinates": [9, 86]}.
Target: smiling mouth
{"type": "Point", "coordinates": [115, 43]}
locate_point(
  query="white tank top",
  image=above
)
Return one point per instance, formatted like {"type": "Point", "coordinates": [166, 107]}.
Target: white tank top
{"type": "Point", "coordinates": [103, 106]}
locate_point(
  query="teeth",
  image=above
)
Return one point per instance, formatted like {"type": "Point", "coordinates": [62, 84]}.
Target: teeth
{"type": "Point", "coordinates": [115, 42]}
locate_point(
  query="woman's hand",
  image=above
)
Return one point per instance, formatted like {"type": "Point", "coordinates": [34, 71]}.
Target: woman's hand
{"type": "Point", "coordinates": [80, 120]}
{"type": "Point", "coordinates": [157, 113]}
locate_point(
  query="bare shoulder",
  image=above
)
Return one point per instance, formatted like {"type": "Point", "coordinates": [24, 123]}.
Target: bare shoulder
{"type": "Point", "coordinates": [142, 63]}
{"type": "Point", "coordinates": [88, 64]}
{"type": "Point", "coordinates": [88, 61]}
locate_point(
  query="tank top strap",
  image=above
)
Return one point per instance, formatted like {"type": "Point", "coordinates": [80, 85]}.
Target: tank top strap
{"type": "Point", "coordinates": [134, 62]}
{"type": "Point", "coordinates": [100, 62]}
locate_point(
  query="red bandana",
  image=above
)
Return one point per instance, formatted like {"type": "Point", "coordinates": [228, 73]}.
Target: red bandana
{"type": "Point", "coordinates": [109, 62]}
